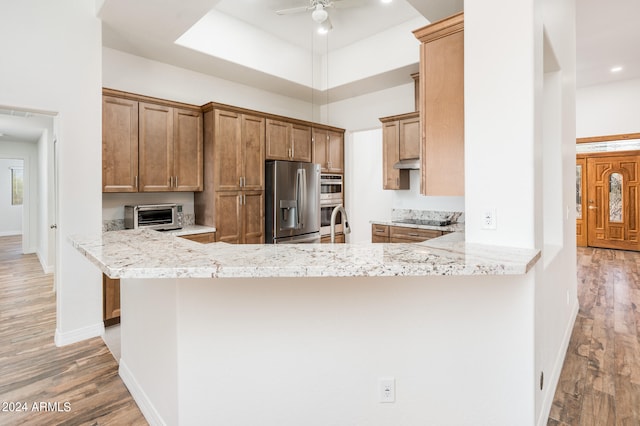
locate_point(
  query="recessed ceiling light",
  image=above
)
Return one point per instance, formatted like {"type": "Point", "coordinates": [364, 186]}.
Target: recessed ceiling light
{"type": "Point", "coordinates": [616, 69]}
{"type": "Point", "coordinates": [386, 1]}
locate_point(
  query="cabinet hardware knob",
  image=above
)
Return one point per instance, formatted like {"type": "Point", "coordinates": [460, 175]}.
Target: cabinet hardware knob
{"type": "Point", "coordinates": [135, 182]}
{"type": "Point", "coordinates": [54, 226]}
{"type": "Point", "coordinates": [592, 208]}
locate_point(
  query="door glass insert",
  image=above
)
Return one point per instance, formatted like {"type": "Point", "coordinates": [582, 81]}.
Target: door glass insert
{"type": "Point", "coordinates": [579, 191]}
{"type": "Point", "coordinates": [615, 197]}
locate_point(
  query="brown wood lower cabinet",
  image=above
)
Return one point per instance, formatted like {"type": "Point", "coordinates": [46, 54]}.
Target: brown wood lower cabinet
{"type": "Point", "coordinates": [379, 233]}
{"type": "Point", "coordinates": [204, 238]}
{"type": "Point", "coordinates": [402, 234]}
{"type": "Point", "coordinates": [110, 301]}
{"type": "Point", "coordinates": [339, 238]}
{"type": "Point", "coordinates": [240, 217]}
{"type": "Point", "coordinates": [111, 286]}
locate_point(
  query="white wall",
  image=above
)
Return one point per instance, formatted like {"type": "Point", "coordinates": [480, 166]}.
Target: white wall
{"type": "Point", "coordinates": [11, 223]}
{"type": "Point", "coordinates": [608, 109]}
{"type": "Point", "coordinates": [56, 66]}
{"type": "Point", "coordinates": [506, 154]}
{"type": "Point", "coordinates": [123, 71]}
{"type": "Point", "coordinates": [365, 200]}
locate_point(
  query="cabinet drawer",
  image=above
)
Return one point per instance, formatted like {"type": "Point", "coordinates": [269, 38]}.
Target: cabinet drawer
{"type": "Point", "coordinates": [379, 230]}
{"type": "Point", "coordinates": [412, 234]}
{"type": "Point", "coordinates": [339, 238]}
{"type": "Point", "coordinates": [204, 238]}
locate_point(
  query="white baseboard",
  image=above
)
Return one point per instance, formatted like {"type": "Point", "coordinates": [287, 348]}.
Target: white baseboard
{"type": "Point", "coordinates": [78, 335]}
{"type": "Point", "coordinates": [557, 367]}
{"type": "Point", "coordinates": [10, 233]}
{"type": "Point", "coordinates": [48, 269]}
{"type": "Point", "coordinates": [144, 403]}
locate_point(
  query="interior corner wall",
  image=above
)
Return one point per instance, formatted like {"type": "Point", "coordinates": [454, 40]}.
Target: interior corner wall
{"type": "Point", "coordinates": [499, 121]}
{"type": "Point", "coordinates": [608, 109]}
{"type": "Point", "coordinates": [65, 36]}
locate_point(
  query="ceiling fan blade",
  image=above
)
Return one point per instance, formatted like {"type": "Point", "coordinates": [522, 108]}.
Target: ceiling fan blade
{"type": "Point", "coordinates": [344, 4]}
{"type": "Point", "coordinates": [293, 10]}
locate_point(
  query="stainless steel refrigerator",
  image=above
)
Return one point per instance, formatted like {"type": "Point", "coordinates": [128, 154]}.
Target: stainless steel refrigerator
{"type": "Point", "coordinates": [292, 202]}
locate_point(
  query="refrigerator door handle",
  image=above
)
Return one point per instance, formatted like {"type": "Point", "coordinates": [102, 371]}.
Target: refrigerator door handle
{"type": "Point", "coordinates": [300, 196]}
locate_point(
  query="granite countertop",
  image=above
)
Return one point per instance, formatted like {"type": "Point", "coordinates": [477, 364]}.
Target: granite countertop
{"type": "Point", "coordinates": [190, 230]}
{"type": "Point", "coordinates": [152, 254]}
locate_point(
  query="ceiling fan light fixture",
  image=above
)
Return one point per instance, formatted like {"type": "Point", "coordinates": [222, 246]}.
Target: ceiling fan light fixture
{"type": "Point", "coordinates": [319, 15]}
{"type": "Point", "coordinates": [325, 26]}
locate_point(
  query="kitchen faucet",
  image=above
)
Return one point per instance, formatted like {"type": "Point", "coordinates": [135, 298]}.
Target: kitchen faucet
{"type": "Point", "coordinates": [345, 222]}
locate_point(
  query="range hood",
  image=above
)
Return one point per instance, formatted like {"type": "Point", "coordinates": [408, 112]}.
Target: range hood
{"type": "Point", "coordinates": [411, 164]}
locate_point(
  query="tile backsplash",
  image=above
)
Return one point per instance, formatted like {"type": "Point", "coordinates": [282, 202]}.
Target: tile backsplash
{"type": "Point", "coordinates": [118, 224]}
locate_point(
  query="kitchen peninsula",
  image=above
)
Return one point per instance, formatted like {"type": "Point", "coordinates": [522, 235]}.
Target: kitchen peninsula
{"type": "Point", "coordinates": [304, 334]}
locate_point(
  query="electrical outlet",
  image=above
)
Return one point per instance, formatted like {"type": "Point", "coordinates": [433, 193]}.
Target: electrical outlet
{"type": "Point", "coordinates": [489, 219]}
{"type": "Point", "coordinates": [387, 388]}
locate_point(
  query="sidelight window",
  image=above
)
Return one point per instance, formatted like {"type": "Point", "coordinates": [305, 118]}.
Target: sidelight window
{"type": "Point", "coordinates": [579, 191]}
{"type": "Point", "coordinates": [17, 186]}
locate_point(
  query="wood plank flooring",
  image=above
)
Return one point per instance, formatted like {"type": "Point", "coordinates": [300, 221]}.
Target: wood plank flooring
{"type": "Point", "coordinates": [600, 379]}
{"type": "Point", "coordinates": [78, 384]}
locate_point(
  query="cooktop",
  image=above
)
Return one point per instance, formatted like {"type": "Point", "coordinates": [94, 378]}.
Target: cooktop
{"type": "Point", "coordinates": [429, 222]}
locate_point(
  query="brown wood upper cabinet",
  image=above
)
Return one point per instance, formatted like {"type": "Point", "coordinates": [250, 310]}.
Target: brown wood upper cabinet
{"type": "Point", "coordinates": [119, 145]}
{"type": "Point", "coordinates": [170, 149]}
{"type": "Point", "coordinates": [150, 146]}
{"type": "Point", "coordinates": [238, 146]}
{"type": "Point", "coordinates": [442, 106]}
{"type": "Point", "coordinates": [288, 141]}
{"type": "Point", "coordinates": [233, 196]}
{"type": "Point", "coordinates": [400, 141]}
{"type": "Point", "coordinates": [328, 150]}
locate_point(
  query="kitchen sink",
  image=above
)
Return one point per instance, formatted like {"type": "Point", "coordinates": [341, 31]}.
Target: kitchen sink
{"type": "Point", "coordinates": [429, 222]}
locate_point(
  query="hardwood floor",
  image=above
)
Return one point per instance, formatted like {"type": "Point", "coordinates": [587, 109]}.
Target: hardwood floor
{"type": "Point", "coordinates": [74, 385]}
{"type": "Point", "coordinates": [600, 379]}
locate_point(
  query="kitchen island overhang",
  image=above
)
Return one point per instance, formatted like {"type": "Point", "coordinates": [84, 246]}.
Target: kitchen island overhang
{"type": "Point", "coordinates": [309, 347]}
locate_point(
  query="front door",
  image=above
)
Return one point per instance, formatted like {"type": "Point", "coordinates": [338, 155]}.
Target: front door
{"type": "Point", "coordinates": [612, 201]}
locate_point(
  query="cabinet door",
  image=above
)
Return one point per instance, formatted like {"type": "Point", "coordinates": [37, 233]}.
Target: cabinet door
{"type": "Point", "coordinates": [253, 129]}
{"type": "Point", "coordinates": [335, 150]}
{"type": "Point", "coordinates": [278, 142]}
{"type": "Point", "coordinates": [409, 138]}
{"type": "Point", "coordinates": [392, 178]}
{"type": "Point", "coordinates": [119, 145]}
{"type": "Point", "coordinates": [320, 150]}
{"type": "Point", "coordinates": [228, 217]}
{"type": "Point", "coordinates": [442, 109]}
{"type": "Point", "coordinates": [301, 143]}
{"type": "Point", "coordinates": [187, 150]}
{"type": "Point", "coordinates": [228, 150]}
{"type": "Point", "coordinates": [156, 148]}
{"type": "Point", "coordinates": [253, 217]}
{"type": "Point", "coordinates": [110, 300]}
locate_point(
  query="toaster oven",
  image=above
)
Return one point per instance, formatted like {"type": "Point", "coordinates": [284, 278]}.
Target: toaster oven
{"type": "Point", "coordinates": [161, 217]}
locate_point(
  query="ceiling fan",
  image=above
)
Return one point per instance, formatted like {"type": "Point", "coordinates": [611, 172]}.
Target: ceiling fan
{"type": "Point", "coordinates": [320, 14]}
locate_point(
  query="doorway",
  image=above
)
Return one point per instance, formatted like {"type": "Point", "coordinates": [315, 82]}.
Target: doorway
{"type": "Point", "coordinates": [608, 185]}
{"type": "Point", "coordinates": [29, 135]}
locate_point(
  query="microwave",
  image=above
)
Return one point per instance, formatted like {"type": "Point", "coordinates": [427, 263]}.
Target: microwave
{"type": "Point", "coordinates": [161, 217]}
{"type": "Point", "coordinates": [331, 188]}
